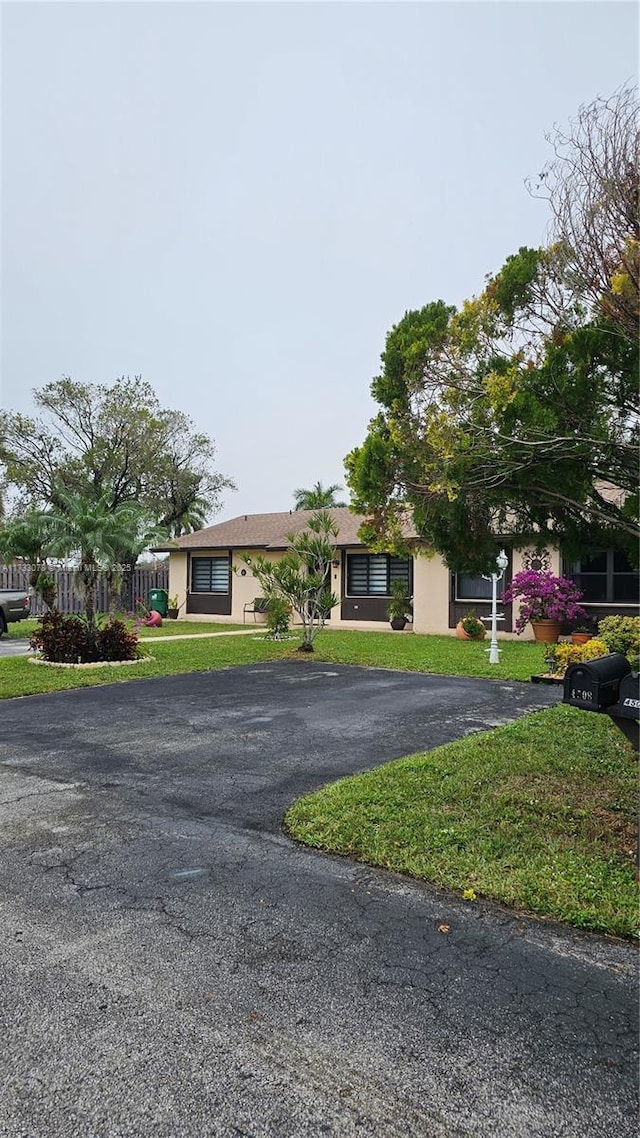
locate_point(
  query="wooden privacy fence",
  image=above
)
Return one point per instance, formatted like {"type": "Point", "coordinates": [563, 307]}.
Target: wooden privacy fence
{"type": "Point", "coordinates": [16, 577]}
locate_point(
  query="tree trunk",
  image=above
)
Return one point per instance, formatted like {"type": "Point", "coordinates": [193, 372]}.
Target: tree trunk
{"type": "Point", "coordinates": [121, 598]}
{"type": "Point", "coordinates": [88, 578]}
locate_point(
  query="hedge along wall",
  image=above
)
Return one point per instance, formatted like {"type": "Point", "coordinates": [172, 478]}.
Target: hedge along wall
{"type": "Point", "coordinates": [144, 578]}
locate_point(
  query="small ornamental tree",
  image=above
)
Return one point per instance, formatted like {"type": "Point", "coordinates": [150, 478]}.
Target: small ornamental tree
{"type": "Point", "coordinates": [300, 577]}
{"type": "Point", "coordinates": [544, 597]}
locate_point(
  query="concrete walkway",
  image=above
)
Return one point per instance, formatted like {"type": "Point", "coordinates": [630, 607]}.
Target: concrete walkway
{"type": "Point", "coordinates": [259, 628]}
{"type": "Point", "coordinates": [173, 965]}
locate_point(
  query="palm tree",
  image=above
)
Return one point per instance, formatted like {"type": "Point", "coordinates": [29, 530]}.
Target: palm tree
{"type": "Point", "coordinates": [26, 538]}
{"type": "Point", "coordinates": [318, 498]}
{"type": "Point", "coordinates": [192, 517]}
{"type": "Point", "coordinates": [94, 532]}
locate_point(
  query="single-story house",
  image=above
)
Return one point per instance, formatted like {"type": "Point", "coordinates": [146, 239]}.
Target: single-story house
{"type": "Point", "coordinates": [212, 581]}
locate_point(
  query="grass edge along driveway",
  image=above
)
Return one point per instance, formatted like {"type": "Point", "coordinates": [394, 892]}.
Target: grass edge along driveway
{"type": "Point", "coordinates": [441, 655]}
{"type": "Point", "coordinates": [538, 815]}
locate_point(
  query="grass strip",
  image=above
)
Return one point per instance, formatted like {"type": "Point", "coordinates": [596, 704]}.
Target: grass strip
{"type": "Point", "coordinates": [20, 678]}
{"type": "Point", "coordinates": [538, 815]}
{"type": "Point", "coordinates": [442, 655]}
{"type": "Point", "coordinates": [22, 629]}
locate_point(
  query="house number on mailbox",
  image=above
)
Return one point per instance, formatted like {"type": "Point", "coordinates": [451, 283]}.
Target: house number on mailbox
{"type": "Point", "coordinates": [585, 696]}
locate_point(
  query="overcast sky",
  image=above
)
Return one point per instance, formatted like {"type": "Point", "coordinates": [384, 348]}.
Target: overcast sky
{"type": "Point", "coordinates": [237, 201]}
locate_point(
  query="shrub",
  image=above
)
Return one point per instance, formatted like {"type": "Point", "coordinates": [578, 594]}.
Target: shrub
{"type": "Point", "coordinates": [558, 657]}
{"type": "Point", "coordinates": [114, 641]}
{"type": "Point", "coordinates": [278, 617]}
{"type": "Point", "coordinates": [621, 634]}
{"type": "Point", "coordinates": [69, 640]}
{"type": "Point", "coordinates": [63, 639]}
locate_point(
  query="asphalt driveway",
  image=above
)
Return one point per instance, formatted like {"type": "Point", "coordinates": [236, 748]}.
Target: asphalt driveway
{"type": "Point", "coordinates": [9, 647]}
{"type": "Point", "coordinates": [171, 964]}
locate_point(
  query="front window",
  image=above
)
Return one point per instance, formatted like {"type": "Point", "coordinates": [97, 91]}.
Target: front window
{"type": "Point", "coordinates": [605, 577]}
{"type": "Point", "coordinates": [209, 574]}
{"type": "Point", "coordinates": [470, 587]}
{"type": "Point", "coordinates": [371, 574]}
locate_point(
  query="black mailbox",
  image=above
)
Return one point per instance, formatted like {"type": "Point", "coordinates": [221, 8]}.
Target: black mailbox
{"type": "Point", "coordinates": [595, 684]}
{"type": "Point", "coordinates": [628, 704]}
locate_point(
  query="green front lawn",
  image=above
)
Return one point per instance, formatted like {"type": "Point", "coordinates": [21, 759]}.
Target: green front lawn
{"type": "Point", "coordinates": [539, 815]}
{"type": "Point", "coordinates": [21, 630]}
{"type": "Point", "coordinates": [188, 628]}
{"type": "Point", "coordinates": [443, 655]}
{"type": "Point", "coordinates": [19, 677]}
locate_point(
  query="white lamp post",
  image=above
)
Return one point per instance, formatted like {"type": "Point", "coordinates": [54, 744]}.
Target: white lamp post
{"type": "Point", "coordinates": [494, 652]}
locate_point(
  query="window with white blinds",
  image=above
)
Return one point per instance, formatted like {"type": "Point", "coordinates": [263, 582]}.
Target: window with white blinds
{"type": "Point", "coordinates": [209, 574]}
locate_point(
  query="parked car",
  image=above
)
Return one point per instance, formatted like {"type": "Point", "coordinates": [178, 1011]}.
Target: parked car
{"type": "Point", "coordinates": [13, 606]}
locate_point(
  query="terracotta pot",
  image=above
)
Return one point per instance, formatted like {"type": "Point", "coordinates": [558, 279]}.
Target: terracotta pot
{"type": "Point", "coordinates": [462, 635]}
{"type": "Point", "coordinates": [581, 637]}
{"type": "Point", "coordinates": [546, 631]}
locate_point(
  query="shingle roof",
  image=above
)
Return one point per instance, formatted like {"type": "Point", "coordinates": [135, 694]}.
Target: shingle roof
{"type": "Point", "coordinates": [267, 531]}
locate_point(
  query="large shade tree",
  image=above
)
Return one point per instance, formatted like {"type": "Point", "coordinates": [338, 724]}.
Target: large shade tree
{"type": "Point", "coordinates": [519, 413]}
{"type": "Point", "coordinates": [111, 444]}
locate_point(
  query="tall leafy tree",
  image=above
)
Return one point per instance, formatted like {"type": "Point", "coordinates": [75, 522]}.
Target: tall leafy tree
{"type": "Point", "coordinates": [519, 413]}
{"type": "Point", "coordinates": [319, 497]}
{"type": "Point", "coordinates": [112, 444]}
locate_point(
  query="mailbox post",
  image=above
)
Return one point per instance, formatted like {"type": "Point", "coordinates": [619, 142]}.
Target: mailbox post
{"type": "Point", "coordinates": [607, 685]}
{"type": "Point", "coordinates": [626, 712]}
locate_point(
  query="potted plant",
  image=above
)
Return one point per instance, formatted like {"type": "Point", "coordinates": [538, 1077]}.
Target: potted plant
{"type": "Point", "coordinates": [470, 627]}
{"type": "Point", "coordinates": [173, 608]}
{"type": "Point", "coordinates": [545, 601]}
{"type": "Point", "coordinates": [399, 607]}
{"type": "Point", "coordinates": [581, 633]}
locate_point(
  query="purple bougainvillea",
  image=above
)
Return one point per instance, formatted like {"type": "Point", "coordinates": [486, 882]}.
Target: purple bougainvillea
{"type": "Point", "coordinates": [544, 597]}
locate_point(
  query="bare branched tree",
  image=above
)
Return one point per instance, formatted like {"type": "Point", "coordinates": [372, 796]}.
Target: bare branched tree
{"type": "Point", "coordinates": [591, 185]}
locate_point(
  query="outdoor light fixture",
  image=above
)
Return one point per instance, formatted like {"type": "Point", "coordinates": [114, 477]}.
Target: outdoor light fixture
{"type": "Point", "coordinates": [336, 563]}
{"type": "Point", "coordinates": [502, 561]}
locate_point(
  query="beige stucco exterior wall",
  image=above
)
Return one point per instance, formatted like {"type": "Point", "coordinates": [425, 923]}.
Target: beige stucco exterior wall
{"type": "Point", "coordinates": [178, 580]}
{"type": "Point", "coordinates": [430, 594]}
{"type": "Point", "coordinates": [245, 588]}
{"type": "Point", "coordinates": [430, 591]}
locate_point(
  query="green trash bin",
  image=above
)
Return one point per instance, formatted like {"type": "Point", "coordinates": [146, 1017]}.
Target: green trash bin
{"type": "Point", "coordinates": [158, 601]}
